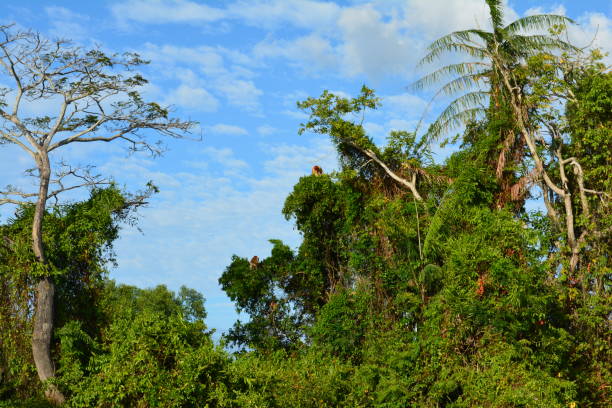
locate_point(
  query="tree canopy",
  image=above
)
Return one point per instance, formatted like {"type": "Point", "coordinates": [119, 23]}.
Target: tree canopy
{"type": "Point", "coordinates": [416, 283]}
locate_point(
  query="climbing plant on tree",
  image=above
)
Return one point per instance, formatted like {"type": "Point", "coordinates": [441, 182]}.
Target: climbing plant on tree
{"type": "Point", "coordinates": [96, 100]}
{"type": "Point", "coordinates": [78, 240]}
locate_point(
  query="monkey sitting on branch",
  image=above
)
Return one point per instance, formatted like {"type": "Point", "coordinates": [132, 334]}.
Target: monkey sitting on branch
{"type": "Point", "coordinates": [254, 262]}
{"type": "Point", "coordinates": [317, 171]}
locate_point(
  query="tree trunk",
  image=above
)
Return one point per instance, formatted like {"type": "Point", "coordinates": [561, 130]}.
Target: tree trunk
{"type": "Point", "coordinates": [45, 291]}
{"type": "Point", "coordinates": [41, 337]}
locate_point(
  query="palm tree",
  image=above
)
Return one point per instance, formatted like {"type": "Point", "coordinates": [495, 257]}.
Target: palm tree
{"type": "Point", "coordinates": [491, 54]}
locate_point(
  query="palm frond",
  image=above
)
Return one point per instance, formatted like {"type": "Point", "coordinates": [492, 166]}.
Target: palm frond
{"type": "Point", "coordinates": [466, 101]}
{"type": "Point", "coordinates": [536, 22]}
{"type": "Point", "coordinates": [503, 43]}
{"type": "Point", "coordinates": [459, 112]}
{"type": "Point", "coordinates": [473, 51]}
{"type": "Point", "coordinates": [461, 69]}
{"type": "Point", "coordinates": [438, 128]}
{"type": "Point", "coordinates": [462, 83]}
{"type": "Point", "coordinates": [464, 36]}
{"type": "Point", "coordinates": [471, 35]}
{"type": "Point", "coordinates": [496, 13]}
{"type": "Point", "coordinates": [534, 44]}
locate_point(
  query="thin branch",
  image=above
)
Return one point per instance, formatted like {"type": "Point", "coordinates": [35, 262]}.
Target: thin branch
{"type": "Point", "coordinates": [410, 184]}
{"type": "Point", "coordinates": [13, 201]}
{"type": "Point", "coordinates": [552, 212]}
{"type": "Point", "coordinates": [58, 123]}
{"type": "Point", "coordinates": [55, 193]}
{"type": "Point", "coordinates": [18, 193]}
{"type": "Point", "coordinates": [26, 132]}
{"type": "Point", "coordinates": [580, 179]}
{"type": "Point", "coordinates": [79, 136]}
{"type": "Point", "coordinates": [13, 139]}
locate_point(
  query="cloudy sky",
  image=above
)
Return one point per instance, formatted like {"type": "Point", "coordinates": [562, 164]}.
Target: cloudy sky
{"type": "Point", "coordinates": [238, 68]}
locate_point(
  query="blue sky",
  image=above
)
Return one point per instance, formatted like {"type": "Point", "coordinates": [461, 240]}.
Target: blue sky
{"type": "Point", "coordinates": [238, 68]}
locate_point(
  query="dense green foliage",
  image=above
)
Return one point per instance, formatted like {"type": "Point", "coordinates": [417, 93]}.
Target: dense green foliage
{"type": "Point", "coordinates": [78, 239]}
{"type": "Point", "coordinates": [456, 296]}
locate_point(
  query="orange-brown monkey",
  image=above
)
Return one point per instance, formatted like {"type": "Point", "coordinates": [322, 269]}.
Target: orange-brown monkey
{"type": "Point", "coordinates": [254, 262]}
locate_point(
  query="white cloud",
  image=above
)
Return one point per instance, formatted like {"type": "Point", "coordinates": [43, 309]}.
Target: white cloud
{"type": "Point", "coordinates": [451, 15]}
{"type": "Point", "coordinates": [225, 157]}
{"type": "Point", "coordinates": [375, 130]}
{"type": "Point", "coordinates": [223, 129]}
{"type": "Point", "coordinates": [266, 14]}
{"type": "Point", "coordinates": [207, 60]}
{"type": "Point", "coordinates": [373, 39]}
{"type": "Point", "coordinates": [558, 9]}
{"type": "Point", "coordinates": [239, 92]}
{"type": "Point", "coordinates": [362, 42]}
{"type": "Point", "coordinates": [291, 98]}
{"type": "Point", "coordinates": [341, 94]}
{"type": "Point", "coordinates": [66, 24]}
{"type": "Point", "coordinates": [291, 162]}
{"type": "Point", "coordinates": [13, 161]}
{"type": "Point", "coordinates": [311, 52]}
{"type": "Point", "coordinates": [39, 107]}
{"type": "Point", "coordinates": [593, 29]}
{"type": "Point", "coordinates": [373, 46]}
{"type": "Point", "coordinates": [203, 66]}
{"type": "Point", "coordinates": [401, 124]}
{"type": "Point", "coordinates": [278, 13]}
{"type": "Point", "coordinates": [299, 115]}
{"type": "Point", "coordinates": [405, 104]}
{"type": "Point", "coordinates": [266, 130]}
{"type": "Point", "coordinates": [165, 11]}
{"type": "Point", "coordinates": [194, 98]}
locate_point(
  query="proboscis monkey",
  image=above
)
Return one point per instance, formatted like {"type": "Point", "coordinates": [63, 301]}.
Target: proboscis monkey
{"type": "Point", "coordinates": [254, 262]}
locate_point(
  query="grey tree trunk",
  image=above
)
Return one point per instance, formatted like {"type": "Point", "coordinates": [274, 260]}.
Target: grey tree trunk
{"type": "Point", "coordinates": [45, 290]}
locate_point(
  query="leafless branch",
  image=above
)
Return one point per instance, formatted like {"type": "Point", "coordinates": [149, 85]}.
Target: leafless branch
{"type": "Point", "coordinates": [13, 201]}
{"type": "Point", "coordinates": [17, 193]}
{"type": "Point", "coordinates": [411, 184]}
{"type": "Point", "coordinates": [15, 140]}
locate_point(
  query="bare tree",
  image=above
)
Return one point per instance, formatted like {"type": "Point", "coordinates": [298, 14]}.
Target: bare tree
{"type": "Point", "coordinates": [95, 99]}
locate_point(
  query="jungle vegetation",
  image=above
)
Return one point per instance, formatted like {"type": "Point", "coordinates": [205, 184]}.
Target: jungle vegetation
{"type": "Point", "coordinates": [416, 283]}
